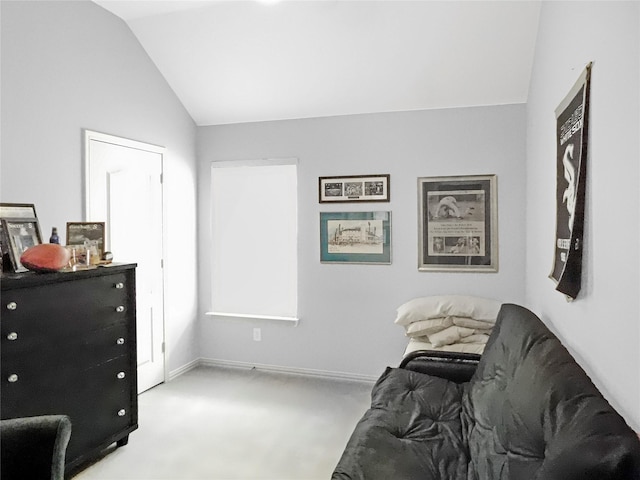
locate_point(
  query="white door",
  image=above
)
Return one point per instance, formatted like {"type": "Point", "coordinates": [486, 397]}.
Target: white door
{"type": "Point", "coordinates": [124, 189]}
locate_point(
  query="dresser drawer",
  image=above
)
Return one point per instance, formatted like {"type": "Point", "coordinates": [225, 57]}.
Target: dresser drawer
{"type": "Point", "coordinates": [67, 308]}
{"type": "Point", "coordinates": [24, 349]}
{"type": "Point", "coordinates": [109, 405]}
{"type": "Point", "coordinates": [28, 390]}
{"type": "Point", "coordinates": [100, 401]}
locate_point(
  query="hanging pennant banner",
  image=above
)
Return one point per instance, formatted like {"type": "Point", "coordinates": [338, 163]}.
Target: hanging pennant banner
{"type": "Point", "coordinates": [572, 117]}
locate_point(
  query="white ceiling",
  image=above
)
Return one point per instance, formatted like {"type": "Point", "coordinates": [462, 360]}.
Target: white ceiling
{"type": "Point", "coordinates": [243, 61]}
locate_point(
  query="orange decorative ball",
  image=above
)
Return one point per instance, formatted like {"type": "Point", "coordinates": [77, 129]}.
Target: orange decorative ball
{"type": "Point", "coordinates": [47, 257]}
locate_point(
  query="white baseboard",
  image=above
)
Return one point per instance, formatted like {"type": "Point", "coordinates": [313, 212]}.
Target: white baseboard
{"type": "Point", "coordinates": [213, 362]}
{"type": "Point", "coordinates": [183, 369]}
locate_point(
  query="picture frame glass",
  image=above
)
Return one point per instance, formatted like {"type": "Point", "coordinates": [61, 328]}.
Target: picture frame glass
{"type": "Point", "coordinates": [18, 210]}
{"type": "Point", "coordinates": [22, 232]}
{"type": "Point", "coordinates": [355, 237]}
{"type": "Point", "coordinates": [458, 223]}
{"type": "Point", "coordinates": [20, 235]}
{"type": "Point", "coordinates": [85, 233]}
{"type": "Point", "coordinates": [354, 188]}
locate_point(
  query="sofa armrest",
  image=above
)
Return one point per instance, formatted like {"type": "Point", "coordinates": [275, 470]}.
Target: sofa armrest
{"type": "Point", "coordinates": [453, 366]}
{"type": "Point", "coordinates": [34, 447]}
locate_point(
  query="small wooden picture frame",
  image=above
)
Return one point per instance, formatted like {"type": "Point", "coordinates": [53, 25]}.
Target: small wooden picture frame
{"type": "Point", "coordinates": [79, 233]}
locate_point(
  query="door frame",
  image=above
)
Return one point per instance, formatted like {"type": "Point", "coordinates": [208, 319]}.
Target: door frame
{"type": "Point", "coordinates": [88, 137]}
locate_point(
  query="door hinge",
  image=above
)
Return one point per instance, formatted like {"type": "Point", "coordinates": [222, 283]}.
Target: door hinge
{"type": "Point", "coordinates": [162, 178]}
{"type": "Point", "coordinates": [162, 347]}
{"type": "Point", "coordinates": [162, 263]}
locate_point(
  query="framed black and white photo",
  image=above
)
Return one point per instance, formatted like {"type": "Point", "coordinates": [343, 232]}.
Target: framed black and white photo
{"type": "Point", "coordinates": [458, 223]}
{"type": "Point", "coordinates": [354, 188]}
{"type": "Point", "coordinates": [355, 237]}
{"type": "Point", "coordinates": [20, 235]}
{"type": "Point", "coordinates": [17, 213]}
{"type": "Point", "coordinates": [81, 233]}
{"type": "Point", "coordinates": [18, 210]}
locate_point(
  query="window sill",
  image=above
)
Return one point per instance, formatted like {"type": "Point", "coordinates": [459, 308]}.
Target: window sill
{"type": "Point", "coordinates": [247, 316]}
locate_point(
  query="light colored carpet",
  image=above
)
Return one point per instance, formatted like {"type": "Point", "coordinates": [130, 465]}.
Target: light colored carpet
{"type": "Point", "coordinates": [234, 424]}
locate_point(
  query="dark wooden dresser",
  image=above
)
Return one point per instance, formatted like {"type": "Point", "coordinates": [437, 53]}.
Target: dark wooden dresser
{"type": "Point", "coordinates": [68, 346]}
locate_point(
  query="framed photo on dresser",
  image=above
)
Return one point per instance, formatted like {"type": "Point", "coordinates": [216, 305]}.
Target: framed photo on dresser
{"type": "Point", "coordinates": [20, 235]}
{"type": "Point", "coordinates": [82, 233]}
{"type": "Point", "coordinates": [19, 230]}
{"type": "Point", "coordinates": [18, 210]}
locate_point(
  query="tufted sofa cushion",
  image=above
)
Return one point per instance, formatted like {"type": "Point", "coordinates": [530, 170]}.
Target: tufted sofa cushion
{"type": "Point", "coordinates": [412, 431]}
{"type": "Point", "coordinates": [531, 412]}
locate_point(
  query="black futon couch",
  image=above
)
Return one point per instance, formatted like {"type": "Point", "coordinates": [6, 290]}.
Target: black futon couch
{"type": "Point", "coordinates": [528, 412]}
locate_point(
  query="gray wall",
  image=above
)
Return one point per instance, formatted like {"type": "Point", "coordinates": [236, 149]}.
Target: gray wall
{"type": "Point", "coordinates": [72, 65]}
{"type": "Point", "coordinates": [601, 328]}
{"type": "Point", "coordinates": [347, 311]}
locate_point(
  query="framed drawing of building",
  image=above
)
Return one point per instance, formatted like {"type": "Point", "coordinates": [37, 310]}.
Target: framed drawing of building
{"type": "Point", "coordinates": [355, 237]}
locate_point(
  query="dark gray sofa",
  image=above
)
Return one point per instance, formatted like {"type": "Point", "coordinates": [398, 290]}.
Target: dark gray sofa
{"type": "Point", "coordinates": [528, 412]}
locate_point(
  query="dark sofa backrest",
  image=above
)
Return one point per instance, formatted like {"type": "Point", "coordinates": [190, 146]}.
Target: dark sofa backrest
{"type": "Point", "coordinates": [531, 412]}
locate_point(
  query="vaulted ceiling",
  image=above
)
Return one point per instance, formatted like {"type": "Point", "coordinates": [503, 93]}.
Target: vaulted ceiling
{"type": "Point", "coordinates": [243, 61]}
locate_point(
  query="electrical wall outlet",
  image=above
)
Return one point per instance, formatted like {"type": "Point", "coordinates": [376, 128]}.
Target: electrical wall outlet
{"type": "Point", "coordinates": [257, 334]}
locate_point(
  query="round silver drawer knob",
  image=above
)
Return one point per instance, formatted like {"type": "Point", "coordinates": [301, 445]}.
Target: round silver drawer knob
{"type": "Point", "coordinates": [120, 341]}
{"type": "Point", "coordinates": [121, 375]}
{"type": "Point", "coordinates": [122, 412]}
{"type": "Point", "coordinates": [13, 378]}
{"type": "Point", "coordinates": [119, 285]}
{"type": "Point", "coordinates": [12, 306]}
{"type": "Point", "coordinates": [119, 309]}
{"type": "Point", "coordinates": [12, 336]}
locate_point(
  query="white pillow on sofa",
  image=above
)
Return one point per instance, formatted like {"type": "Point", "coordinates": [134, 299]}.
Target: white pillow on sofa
{"type": "Point", "coordinates": [475, 338]}
{"type": "Point", "coordinates": [472, 323]}
{"type": "Point", "coordinates": [440, 306]}
{"type": "Point", "coordinates": [427, 327]}
{"type": "Point", "coordinates": [449, 335]}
